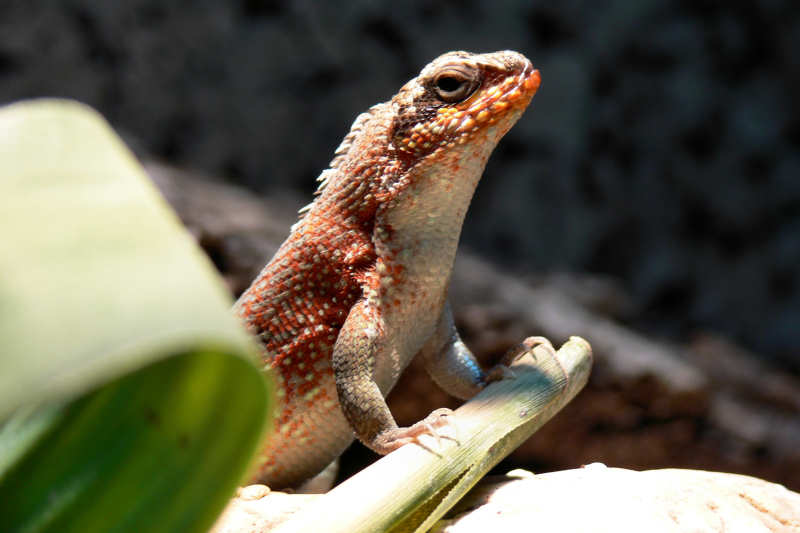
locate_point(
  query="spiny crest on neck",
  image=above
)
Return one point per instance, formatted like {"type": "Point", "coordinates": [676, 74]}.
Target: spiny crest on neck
{"type": "Point", "coordinates": [343, 152]}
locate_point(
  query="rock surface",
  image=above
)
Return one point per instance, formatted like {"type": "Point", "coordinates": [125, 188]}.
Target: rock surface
{"type": "Point", "coordinates": [256, 509]}
{"type": "Point", "coordinates": [600, 499]}
{"type": "Point", "coordinates": [594, 498]}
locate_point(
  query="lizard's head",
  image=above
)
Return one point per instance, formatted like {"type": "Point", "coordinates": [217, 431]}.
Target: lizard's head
{"type": "Point", "coordinates": [460, 98]}
{"type": "Point", "coordinates": [443, 123]}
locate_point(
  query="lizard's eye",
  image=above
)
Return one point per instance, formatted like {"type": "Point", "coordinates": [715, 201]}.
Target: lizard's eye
{"type": "Point", "coordinates": [454, 85]}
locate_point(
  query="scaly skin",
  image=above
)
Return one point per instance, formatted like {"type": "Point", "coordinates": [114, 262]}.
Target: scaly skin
{"type": "Point", "coordinates": [360, 286]}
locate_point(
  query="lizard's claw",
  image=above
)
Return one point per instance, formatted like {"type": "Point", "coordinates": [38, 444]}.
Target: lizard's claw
{"type": "Point", "coordinates": [528, 345]}
{"type": "Point", "coordinates": [498, 373]}
{"type": "Point", "coordinates": [502, 370]}
{"type": "Point", "coordinates": [392, 439]}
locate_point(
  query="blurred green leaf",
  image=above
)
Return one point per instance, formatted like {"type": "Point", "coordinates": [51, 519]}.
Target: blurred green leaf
{"type": "Point", "coordinates": [127, 388]}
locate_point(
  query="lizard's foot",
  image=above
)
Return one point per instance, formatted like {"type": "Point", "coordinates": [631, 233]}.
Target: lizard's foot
{"type": "Point", "coordinates": [502, 370]}
{"type": "Point", "coordinates": [391, 439]}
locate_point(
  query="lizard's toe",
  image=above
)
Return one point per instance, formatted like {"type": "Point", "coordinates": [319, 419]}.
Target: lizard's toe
{"type": "Point", "coordinates": [528, 345]}
{"type": "Point", "coordinates": [392, 439]}
{"type": "Point", "coordinates": [502, 370]}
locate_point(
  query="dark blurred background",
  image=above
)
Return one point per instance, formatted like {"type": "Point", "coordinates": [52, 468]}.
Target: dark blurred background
{"type": "Point", "coordinates": [662, 150]}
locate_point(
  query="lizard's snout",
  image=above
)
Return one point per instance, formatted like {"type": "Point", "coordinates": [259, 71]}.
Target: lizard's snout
{"type": "Point", "coordinates": [530, 79]}
{"type": "Point", "coordinates": [525, 77]}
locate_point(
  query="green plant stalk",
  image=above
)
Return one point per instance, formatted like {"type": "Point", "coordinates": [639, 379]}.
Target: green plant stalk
{"type": "Point", "coordinates": [411, 488]}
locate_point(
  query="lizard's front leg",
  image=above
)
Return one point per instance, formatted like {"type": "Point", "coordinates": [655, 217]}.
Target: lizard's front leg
{"type": "Point", "coordinates": [361, 340]}
{"type": "Point", "coordinates": [449, 362]}
{"type": "Point", "coordinates": [453, 366]}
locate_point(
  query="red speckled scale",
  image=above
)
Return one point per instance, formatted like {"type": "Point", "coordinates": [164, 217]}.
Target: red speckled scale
{"type": "Point", "coordinates": [360, 285]}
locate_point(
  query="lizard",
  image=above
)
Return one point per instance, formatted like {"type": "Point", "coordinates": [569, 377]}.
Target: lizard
{"type": "Point", "coordinates": [360, 286]}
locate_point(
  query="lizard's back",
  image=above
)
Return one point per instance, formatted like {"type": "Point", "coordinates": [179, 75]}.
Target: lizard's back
{"type": "Point", "coordinates": [297, 305]}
